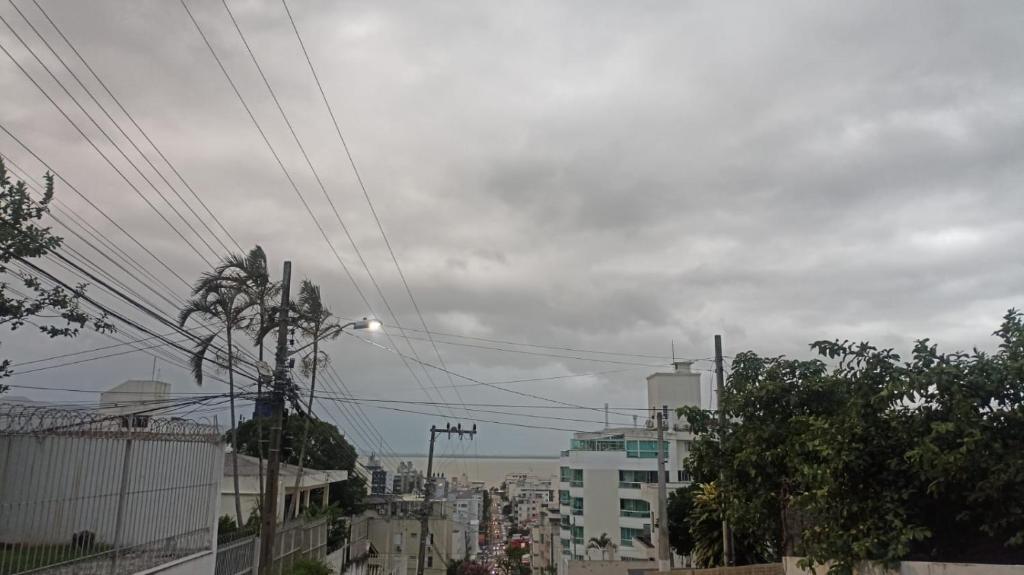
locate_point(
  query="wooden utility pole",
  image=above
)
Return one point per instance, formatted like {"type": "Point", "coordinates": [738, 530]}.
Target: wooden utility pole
{"type": "Point", "coordinates": [664, 554]}
{"type": "Point", "coordinates": [268, 518]}
{"type": "Point", "coordinates": [727, 552]}
{"type": "Point", "coordinates": [428, 488]}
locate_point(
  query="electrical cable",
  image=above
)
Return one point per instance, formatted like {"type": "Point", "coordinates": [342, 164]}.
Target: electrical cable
{"type": "Point", "coordinates": [373, 211]}
{"type": "Point", "coordinates": [130, 140]}
{"type": "Point", "coordinates": [287, 174]}
{"type": "Point", "coordinates": [135, 124]}
{"type": "Point", "coordinates": [92, 143]}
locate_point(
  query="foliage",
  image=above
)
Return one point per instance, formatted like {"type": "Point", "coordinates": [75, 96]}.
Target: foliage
{"type": "Point", "coordinates": [309, 567]}
{"type": "Point", "coordinates": [603, 544]}
{"type": "Point", "coordinates": [225, 525]}
{"type": "Point", "coordinates": [862, 456]}
{"type": "Point", "coordinates": [486, 516]}
{"type": "Point", "coordinates": [23, 238]}
{"type": "Point", "coordinates": [327, 449]}
{"type": "Point", "coordinates": [511, 561]}
{"type": "Point", "coordinates": [472, 568]}
{"type": "Point", "coordinates": [315, 322]}
{"type": "Point", "coordinates": [680, 503]}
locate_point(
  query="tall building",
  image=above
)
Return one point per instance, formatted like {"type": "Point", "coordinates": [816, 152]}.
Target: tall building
{"type": "Point", "coordinates": [380, 478]}
{"type": "Point", "coordinates": [608, 481]}
{"type": "Point", "coordinates": [407, 479]}
{"type": "Point", "coordinates": [467, 512]}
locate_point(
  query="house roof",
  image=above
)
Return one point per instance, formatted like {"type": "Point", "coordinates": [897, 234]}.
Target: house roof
{"type": "Point", "coordinates": [248, 466]}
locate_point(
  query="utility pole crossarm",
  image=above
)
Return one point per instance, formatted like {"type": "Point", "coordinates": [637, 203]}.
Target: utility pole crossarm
{"type": "Point", "coordinates": [429, 487]}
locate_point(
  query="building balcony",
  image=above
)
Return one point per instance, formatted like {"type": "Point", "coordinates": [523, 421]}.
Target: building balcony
{"type": "Point", "coordinates": [629, 485]}
{"type": "Point", "coordinates": [576, 483]}
{"type": "Point", "coordinates": [577, 512]}
{"type": "Point", "coordinates": [625, 513]}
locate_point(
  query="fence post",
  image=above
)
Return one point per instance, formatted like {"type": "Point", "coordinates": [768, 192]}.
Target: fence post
{"type": "Point", "coordinates": [122, 497]}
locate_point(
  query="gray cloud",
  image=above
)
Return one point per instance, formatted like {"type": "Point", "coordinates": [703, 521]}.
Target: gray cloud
{"type": "Point", "coordinates": [598, 175]}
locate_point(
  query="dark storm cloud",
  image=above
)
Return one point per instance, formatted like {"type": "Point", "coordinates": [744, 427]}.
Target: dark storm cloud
{"type": "Point", "coordinates": [601, 175]}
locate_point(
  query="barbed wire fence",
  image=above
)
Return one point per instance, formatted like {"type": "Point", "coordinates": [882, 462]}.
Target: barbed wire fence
{"type": "Point", "coordinates": [89, 492]}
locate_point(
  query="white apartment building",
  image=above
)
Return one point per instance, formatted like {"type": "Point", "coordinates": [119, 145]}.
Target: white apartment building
{"type": "Point", "coordinates": [467, 511]}
{"type": "Point", "coordinates": [608, 482]}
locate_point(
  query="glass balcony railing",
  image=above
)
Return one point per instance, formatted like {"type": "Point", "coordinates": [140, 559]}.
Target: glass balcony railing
{"type": "Point", "coordinates": [626, 513]}
{"type": "Point", "coordinates": [576, 483]}
{"type": "Point", "coordinates": [629, 485]}
{"type": "Point", "coordinates": [580, 512]}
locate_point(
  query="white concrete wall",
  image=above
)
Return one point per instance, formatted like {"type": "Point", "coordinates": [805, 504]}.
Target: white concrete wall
{"type": "Point", "coordinates": [917, 568]}
{"type": "Point", "coordinates": [674, 389]}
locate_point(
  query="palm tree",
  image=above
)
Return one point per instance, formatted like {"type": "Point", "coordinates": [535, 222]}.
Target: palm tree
{"type": "Point", "coordinates": [603, 543]}
{"type": "Point", "coordinates": [215, 298]}
{"type": "Point", "coordinates": [252, 274]}
{"type": "Point", "coordinates": [706, 526]}
{"type": "Point", "coordinates": [316, 323]}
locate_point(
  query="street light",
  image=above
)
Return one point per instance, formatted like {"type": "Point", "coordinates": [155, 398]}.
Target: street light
{"type": "Point", "coordinates": [365, 323]}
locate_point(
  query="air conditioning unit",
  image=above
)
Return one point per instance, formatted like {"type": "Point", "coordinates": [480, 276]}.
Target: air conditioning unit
{"type": "Point", "coordinates": [680, 427]}
{"type": "Point", "coordinates": [649, 424]}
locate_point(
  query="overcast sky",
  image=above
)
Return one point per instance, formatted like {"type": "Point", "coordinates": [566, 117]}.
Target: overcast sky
{"type": "Point", "coordinates": [599, 175]}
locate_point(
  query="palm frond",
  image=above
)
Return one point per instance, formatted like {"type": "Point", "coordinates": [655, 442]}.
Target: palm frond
{"type": "Point", "coordinates": [194, 306]}
{"type": "Point", "coordinates": [199, 356]}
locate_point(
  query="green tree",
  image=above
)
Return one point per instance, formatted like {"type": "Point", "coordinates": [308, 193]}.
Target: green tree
{"type": "Point", "coordinates": [680, 504]}
{"type": "Point", "coordinates": [23, 238]}
{"type": "Point", "coordinates": [252, 275]}
{"type": "Point", "coordinates": [221, 299]}
{"type": "Point", "coordinates": [861, 456]}
{"type": "Point", "coordinates": [328, 449]}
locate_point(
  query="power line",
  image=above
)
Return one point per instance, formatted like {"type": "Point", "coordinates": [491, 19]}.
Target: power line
{"type": "Point", "coordinates": [373, 211]}
{"type": "Point", "coordinates": [95, 234]}
{"type": "Point", "coordinates": [92, 143]}
{"type": "Point", "coordinates": [524, 425]}
{"type": "Point", "coordinates": [319, 180]}
{"type": "Point", "coordinates": [57, 174]}
{"type": "Point", "coordinates": [134, 123]}
{"type": "Point", "coordinates": [539, 353]}
{"type": "Point", "coordinates": [560, 348]}
{"type": "Point", "coordinates": [477, 381]}
{"type": "Point", "coordinates": [287, 174]}
{"type": "Point", "coordinates": [477, 410]}
{"type": "Point", "coordinates": [127, 137]}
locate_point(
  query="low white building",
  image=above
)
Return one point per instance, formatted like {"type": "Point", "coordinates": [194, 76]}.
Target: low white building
{"type": "Point", "coordinates": [312, 490]}
{"type": "Point", "coordinates": [608, 480]}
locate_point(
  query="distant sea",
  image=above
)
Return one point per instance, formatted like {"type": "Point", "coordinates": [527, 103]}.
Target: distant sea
{"type": "Point", "coordinates": [489, 469]}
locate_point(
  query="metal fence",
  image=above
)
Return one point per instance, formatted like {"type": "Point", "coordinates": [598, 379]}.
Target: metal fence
{"type": "Point", "coordinates": [300, 539]}
{"type": "Point", "coordinates": [87, 492]}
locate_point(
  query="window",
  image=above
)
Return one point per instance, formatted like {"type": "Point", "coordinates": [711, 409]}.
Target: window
{"type": "Point", "coordinates": [644, 449]}
{"type": "Point", "coordinates": [577, 478]}
{"type": "Point", "coordinates": [565, 545]}
{"type": "Point", "coordinates": [430, 560]}
{"type": "Point", "coordinates": [631, 479]}
{"type": "Point", "coordinates": [627, 534]}
{"type": "Point", "coordinates": [634, 508]}
{"type": "Point", "coordinates": [565, 474]}
{"type": "Point", "coordinates": [577, 534]}
{"type": "Point", "coordinates": [577, 506]}
{"type": "Point", "coordinates": [564, 522]}
{"type": "Point", "coordinates": [563, 497]}
{"type": "Point", "coordinates": [684, 476]}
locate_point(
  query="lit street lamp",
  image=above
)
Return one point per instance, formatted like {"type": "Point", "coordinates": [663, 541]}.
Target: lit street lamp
{"type": "Point", "coordinates": [367, 324]}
